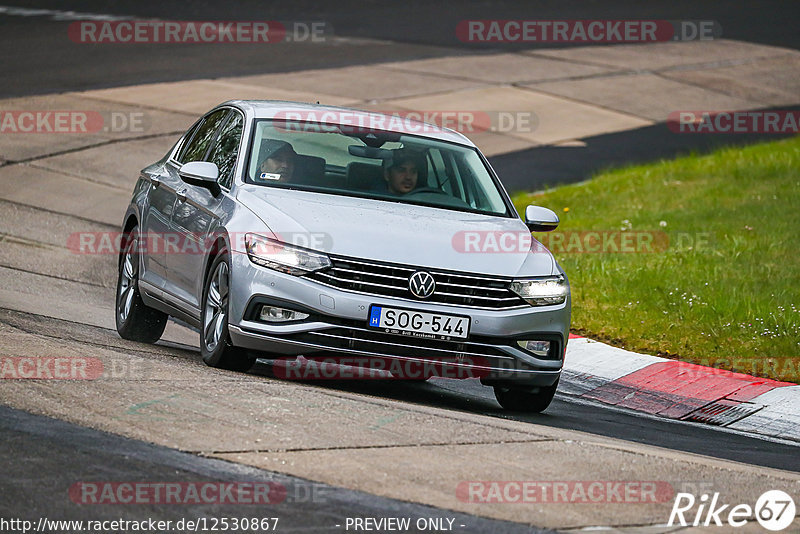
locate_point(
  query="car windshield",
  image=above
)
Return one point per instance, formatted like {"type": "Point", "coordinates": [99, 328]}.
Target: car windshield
{"type": "Point", "coordinates": [371, 163]}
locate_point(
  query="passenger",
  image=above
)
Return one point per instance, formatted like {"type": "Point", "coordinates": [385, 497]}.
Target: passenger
{"type": "Point", "coordinates": [277, 161]}
{"type": "Point", "coordinates": [402, 171]}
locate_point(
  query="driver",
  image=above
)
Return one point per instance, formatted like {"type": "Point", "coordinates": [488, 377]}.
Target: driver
{"type": "Point", "coordinates": [401, 171]}
{"type": "Point", "coordinates": [277, 161]}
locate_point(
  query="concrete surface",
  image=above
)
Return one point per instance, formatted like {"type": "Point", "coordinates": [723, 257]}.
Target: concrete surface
{"type": "Point", "coordinates": [195, 97]}
{"type": "Point", "coordinates": [361, 83]}
{"type": "Point", "coordinates": [63, 194]}
{"type": "Point", "coordinates": [499, 68]}
{"type": "Point", "coordinates": [419, 474]}
{"type": "Point", "coordinates": [678, 55]}
{"type": "Point", "coordinates": [573, 93]}
{"type": "Point", "coordinates": [116, 166]}
{"type": "Point", "coordinates": [62, 456]}
{"type": "Point", "coordinates": [131, 121]}
{"type": "Point", "coordinates": [648, 96]}
{"type": "Point", "coordinates": [772, 82]}
{"type": "Point", "coordinates": [558, 119]}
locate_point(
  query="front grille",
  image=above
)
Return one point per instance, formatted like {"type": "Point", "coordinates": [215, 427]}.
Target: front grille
{"type": "Point", "coordinates": [381, 344]}
{"type": "Point", "coordinates": [390, 280]}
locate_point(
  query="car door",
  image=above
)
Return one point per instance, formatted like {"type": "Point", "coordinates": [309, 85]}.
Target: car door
{"type": "Point", "coordinates": [156, 217]}
{"type": "Point", "coordinates": [175, 244]}
{"type": "Point", "coordinates": [198, 211]}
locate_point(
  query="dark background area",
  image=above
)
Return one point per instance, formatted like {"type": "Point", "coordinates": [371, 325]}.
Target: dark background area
{"type": "Point", "coordinates": [39, 58]}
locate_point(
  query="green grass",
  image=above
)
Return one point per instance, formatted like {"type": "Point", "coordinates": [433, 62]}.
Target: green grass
{"type": "Point", "coordinates": [725, 291]}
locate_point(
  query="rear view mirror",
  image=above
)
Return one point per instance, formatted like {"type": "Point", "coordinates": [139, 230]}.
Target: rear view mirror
{"type": "Point", "coordinates": [369, 152]}
{"type": "Point", "coordinates": [201, 173]}
{"type": "Point", "coordinates": [539, 219]}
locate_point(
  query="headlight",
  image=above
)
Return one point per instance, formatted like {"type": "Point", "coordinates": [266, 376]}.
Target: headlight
{"type": "Point", "coordinates": [282, 257]}
{"type": "Point", "coordinates": [542, 291]}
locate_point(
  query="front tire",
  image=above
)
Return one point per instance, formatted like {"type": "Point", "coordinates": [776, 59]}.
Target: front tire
{"type": "Point", "coordinates": [135, 321]}
{"type": "Point", "coordinates": [215, 344]}
{"type": "Point", "coordinates": [532, 400]}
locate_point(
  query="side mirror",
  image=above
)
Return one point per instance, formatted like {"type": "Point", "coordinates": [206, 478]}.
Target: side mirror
{"type": "Point", "coordinates": [201, 173]}
{"type": "Point", "coordinates": [539, 219]}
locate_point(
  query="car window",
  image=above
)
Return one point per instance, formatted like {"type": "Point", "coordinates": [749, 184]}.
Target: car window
{"type": "Point", "coordinates": [226, 148]}
{"type": "Point", "coordinates": [187, 137]}
{"type": "Point", "coordinates": [196, 149]}
{"type": "Point", "coordinates": [348, 161]}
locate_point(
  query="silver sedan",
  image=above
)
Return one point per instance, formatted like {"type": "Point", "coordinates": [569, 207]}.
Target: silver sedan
{"type": "Point", "coordinates": [343, 244]}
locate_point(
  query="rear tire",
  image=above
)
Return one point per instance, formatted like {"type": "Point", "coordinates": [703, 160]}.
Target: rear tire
{"type": "Point", "coordinates": [215, 344]}
{"type": "Point", "coordinates": [518, 399]}
{"type": "Point", "coordinates": [135, 321]}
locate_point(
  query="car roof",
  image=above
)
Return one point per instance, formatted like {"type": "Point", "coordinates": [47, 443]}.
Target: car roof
{"type": "Point", "coordinates": [399, 122]}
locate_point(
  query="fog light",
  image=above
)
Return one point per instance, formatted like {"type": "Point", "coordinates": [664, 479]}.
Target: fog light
{"type": "Point", "coordinates": [539, 348]}
{"type": "Point", "coordinates": [273, 314]}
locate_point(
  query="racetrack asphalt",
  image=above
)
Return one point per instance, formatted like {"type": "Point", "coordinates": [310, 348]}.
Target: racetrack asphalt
{"type": "Point", "coordinates": [67, 456]}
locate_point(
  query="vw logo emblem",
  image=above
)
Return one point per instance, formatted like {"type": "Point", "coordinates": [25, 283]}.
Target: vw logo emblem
{"type": "Point", "coordinates": [421, 284]}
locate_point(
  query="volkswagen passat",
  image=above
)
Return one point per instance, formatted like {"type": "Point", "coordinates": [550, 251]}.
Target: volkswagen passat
{"type": "Point", "coordinates": [304, 233]}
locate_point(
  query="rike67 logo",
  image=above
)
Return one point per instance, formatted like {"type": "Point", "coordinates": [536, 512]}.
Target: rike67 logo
{"type": "Point", "coordinates": [774, 510]}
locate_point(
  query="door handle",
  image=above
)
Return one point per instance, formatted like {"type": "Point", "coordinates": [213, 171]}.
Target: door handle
{"type": "Point", "coordinates": [181, 195]}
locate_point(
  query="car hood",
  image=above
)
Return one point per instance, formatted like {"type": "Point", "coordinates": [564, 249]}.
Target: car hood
{"type": "Point", "coordinates": [398, 233]}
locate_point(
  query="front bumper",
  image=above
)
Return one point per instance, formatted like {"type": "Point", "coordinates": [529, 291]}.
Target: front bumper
{"type": "Point", "coordinates": [337, 328]}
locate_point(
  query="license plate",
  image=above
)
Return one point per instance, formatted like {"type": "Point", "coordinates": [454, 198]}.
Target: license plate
{"type": "Point", "coordinates": [418, 323]}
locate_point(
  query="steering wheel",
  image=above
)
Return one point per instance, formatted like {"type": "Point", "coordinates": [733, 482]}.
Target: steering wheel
{"type": "Point", "coordinates": [427, 190]}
